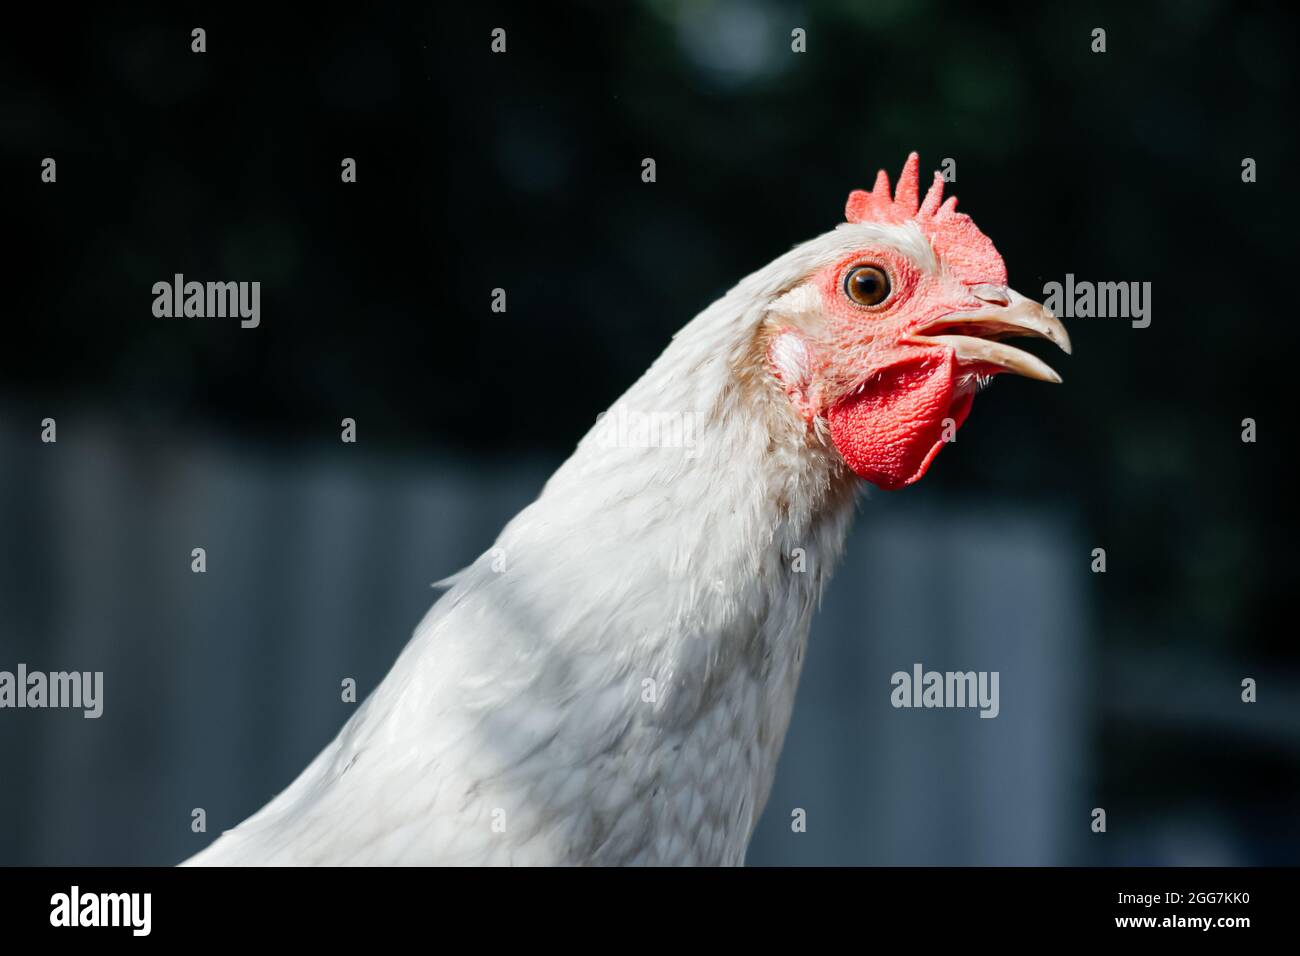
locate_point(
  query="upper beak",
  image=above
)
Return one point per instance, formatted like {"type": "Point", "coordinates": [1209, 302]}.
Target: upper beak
{"type": "Point", "coordinates": [1004, 314]}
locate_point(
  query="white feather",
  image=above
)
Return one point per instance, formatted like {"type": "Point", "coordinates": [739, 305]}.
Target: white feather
{"type": "Point", "coordinates": [517, 725]}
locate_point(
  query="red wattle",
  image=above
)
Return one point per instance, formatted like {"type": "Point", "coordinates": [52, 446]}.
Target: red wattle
{"type": "Point", "coordinates": [891, 432]}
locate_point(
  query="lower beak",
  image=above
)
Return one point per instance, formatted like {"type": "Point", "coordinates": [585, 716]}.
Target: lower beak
{"type": "Point", "coordinates": [975, 335]}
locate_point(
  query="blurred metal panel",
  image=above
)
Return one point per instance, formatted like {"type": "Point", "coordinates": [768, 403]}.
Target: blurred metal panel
{"type": "Point", "coordinates": [955, 589]}
{"type": "Point", "coordinates": [219, 687]}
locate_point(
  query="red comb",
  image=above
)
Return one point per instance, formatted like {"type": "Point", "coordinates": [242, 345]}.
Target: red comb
{"type": "Point", "coordinates": [958, 237]}
{"type": "Point", "coordinates": [879, 206]}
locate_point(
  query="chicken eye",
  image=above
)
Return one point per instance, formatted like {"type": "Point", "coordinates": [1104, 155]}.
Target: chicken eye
{"type": "Point", "coordinates": [867, 285]}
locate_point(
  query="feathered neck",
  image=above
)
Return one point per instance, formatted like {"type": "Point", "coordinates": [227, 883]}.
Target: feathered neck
{"type": "Point", "coordinates": [708, 426]}
{"type": "Point", "coordinates": [703, 469]}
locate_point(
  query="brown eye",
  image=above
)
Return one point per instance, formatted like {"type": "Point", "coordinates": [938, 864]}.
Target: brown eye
{"type": "Point", "coordinates": [867, 285]}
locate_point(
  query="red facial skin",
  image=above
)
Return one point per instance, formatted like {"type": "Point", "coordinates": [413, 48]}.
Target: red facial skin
{"type": "Point", "coordinates": [887, 398]}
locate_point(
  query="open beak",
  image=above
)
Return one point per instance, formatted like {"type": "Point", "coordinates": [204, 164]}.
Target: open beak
{"type": "Point", "coordinates": [975, 335]}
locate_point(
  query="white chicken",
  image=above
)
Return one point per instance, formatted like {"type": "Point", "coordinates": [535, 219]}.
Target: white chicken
{"type": "Point", "coordinates": [611, 683]}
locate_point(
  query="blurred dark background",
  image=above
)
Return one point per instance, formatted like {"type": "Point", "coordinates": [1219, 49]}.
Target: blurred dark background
{"type": "Point", "coordinates": [475, 171]}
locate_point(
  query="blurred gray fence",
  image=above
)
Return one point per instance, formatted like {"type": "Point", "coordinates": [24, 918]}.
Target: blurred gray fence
{"type": "Point", "coordinates": [220, 687]}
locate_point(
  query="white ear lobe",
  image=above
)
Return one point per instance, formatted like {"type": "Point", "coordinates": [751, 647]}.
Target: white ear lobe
{"type": "Point", "coordinates": [790, 360]}
{"type": "Point", "coordinates": [792, 364]}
